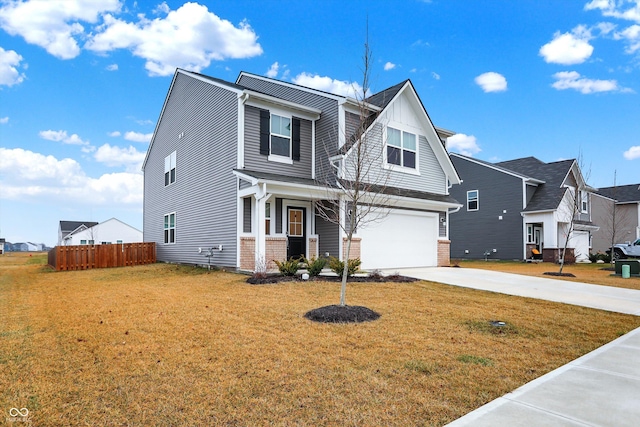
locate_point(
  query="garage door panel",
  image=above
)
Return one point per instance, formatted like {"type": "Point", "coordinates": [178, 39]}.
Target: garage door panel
{"type": "Point", "coordinates": [402, 239]}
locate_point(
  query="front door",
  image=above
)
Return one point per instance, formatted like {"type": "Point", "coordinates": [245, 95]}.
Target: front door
{"type": "Point", "coordinates": [296, 233]}
{"type": "Point", "coordinates": [537, 237]}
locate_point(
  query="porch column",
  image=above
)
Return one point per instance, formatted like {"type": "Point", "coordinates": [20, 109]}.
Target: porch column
{"type": "Point", "coordinates": [260, 252]}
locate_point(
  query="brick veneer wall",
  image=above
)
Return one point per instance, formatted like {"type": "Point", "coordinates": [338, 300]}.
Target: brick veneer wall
{"type": "Point", "coordinates": [444, 253]}
{"type": "Point", "coordinates": [276, 248]}
{"type": "Point", "coordinates": [355, 248]}
{"type": "Point", "coordinates": [247, 253]}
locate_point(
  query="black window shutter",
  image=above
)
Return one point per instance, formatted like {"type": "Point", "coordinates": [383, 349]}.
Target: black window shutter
{"type": "Point", "coordinates": [265, 131]}
{"type": "Point", "coordinates": [296, 139]}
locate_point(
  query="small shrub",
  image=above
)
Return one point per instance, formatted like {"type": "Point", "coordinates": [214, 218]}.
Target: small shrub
{"type": "Point", "coordinates": [337, 266]}
{"type": "Point", "coordinates": [314, 265]}
{"type": "Point", "coordinates": [288, 268]}
{"type": "Point", "coordinates": [376, 276]}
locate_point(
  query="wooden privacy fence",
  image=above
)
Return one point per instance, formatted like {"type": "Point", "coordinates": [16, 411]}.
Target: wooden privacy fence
{"type": "Point", "coordinates": [84, 257]}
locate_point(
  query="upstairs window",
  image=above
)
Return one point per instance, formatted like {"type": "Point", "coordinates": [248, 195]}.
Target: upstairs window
{"type": "Point", "coordinates": [584, 201]}
{"type": "Point", "coordinates": [170, 169]}
{"type": "Point", "coordinates": [280, 136]}
{"type": "Point", "coordinates": [473, 198]}
{"type": "Point", "coordinates": [170, 228]}
{"type": "Point", "coordinates": [401, 148]}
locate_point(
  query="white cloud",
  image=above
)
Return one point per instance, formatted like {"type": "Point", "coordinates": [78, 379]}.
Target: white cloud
{"type": "Point", "coordinates": [327, 84]}
{"type": "Point", "coordinates": [189, 37]}
{"type": "Point", "coordinates": [138, 137]}
{"type": "Point", "coordinates": [491, 82]}
{"type": "Point", "coordinates": [389, 66]}
{"type": "Point", "coordinates": [116, 156]}
{"type": "Point", "coordinates": [26, 175]}
{"type": "Point", "coordinates": [568, 48]}
{"type": "Point", "coordinates": [53, 24]}
{"type": "Point", "coordinates": [272, 72]}
{"type": "Point", "coordinates": [632, 36]}
{"type": "Point", "coordinates": [632, 153]}
{"type": "Point", "coordinates": [617, 9]}
{"type": "Point", "coordinates": [62, 136]}
{"type": "Point", "coordinates": [463, 144]}
{"type": "Point", "coordinates": [9, 63]}
{"type": "Point", "coordinates": [573, 80]}
{"type": "Point", "coordinates": [435, 75]}
{"type": "Point", "coordinates": [112, 67]}
{"type": "Point", "coordinates": [4, 120]}
{"type": "Point", "coordinates": [114, 134]}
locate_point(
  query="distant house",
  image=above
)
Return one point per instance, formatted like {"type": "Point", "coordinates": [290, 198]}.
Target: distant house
{"type": "Point", "coordinates": [107, 232]}
{"type": "Point", "coordinates": [2, 242]}
{"type": "Point", "coordinates": [67, 227]}
{"type": "Point", "coordinates": [516, 206]}
{"type": "Point", "coordinates": [627, 223]}
{"type": "Point", "coordinates": [27, 247]}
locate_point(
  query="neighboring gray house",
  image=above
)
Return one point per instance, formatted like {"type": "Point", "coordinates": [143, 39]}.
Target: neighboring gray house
{"type": "Point", "coordinates": [238, 167]}
{"type": "Point", "coordinates": [67, 227]}
{"type": "Point", "coordinates": [516, 206]}
{"type": "Point", "coordinates": [627, 214]}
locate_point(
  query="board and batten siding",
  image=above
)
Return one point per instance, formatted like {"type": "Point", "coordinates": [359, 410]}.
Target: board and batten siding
{"type": "Point", "coordinates": [327, 127]}
{"type": "Point", "coordinates": [482, 230]}
{"type": "Point", "coordinates": [199, 123]}
{"type": "Point", "coordinates": [253, 160]}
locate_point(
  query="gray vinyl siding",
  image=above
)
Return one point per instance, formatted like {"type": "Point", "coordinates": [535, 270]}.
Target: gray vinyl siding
{"type": "Point", "coordinates": [482, 230]}
{"type": "Point", "coordinates": [246, 215]}
{"type": "Point", "coordinates": [243, 184]}
{"type": "Point", "coordinates": [431, 179]}
{"type": "Point", "coordinates": [204, 194]}
{"type": "Point", "coordinates": [253, 160]}
{"type": "Point", "coordinates": [531, 190]}
{"type": "Point", "coordinates": [328, 237]}
{"type": "Point", "coordinates": [442, 225]}
{"type": "Point", "coordinates": [327, 127]}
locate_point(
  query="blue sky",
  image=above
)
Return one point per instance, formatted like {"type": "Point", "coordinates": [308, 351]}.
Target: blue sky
{"type": "Point", "coordinates": [82, 83]}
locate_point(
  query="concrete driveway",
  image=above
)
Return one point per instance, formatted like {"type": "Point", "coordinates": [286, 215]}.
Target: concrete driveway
{"type": "Point", "coordinates": [595, 296]}
{"type": "Point", "coordinates": [601, 388]}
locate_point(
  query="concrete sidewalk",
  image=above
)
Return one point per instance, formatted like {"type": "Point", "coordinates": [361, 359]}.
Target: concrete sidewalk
{"type": "Point", "coordinates": [601, 388]}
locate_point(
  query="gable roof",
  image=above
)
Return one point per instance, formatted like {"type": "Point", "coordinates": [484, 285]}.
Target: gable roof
{"type": "Point", "coordinates": [67, 227]}
{"type": "Point", "coordinates": [622, 193]}
{"type": "Point", "coordinates": [498, 168]}
{"type": "Point", "coordinates": [384, 99]}
{"type": "Point", "coordinates": [549, 195]}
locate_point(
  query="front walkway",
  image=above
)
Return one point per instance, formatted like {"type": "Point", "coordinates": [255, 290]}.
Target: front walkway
{"type": "Point", "coordinates": [601, 388]}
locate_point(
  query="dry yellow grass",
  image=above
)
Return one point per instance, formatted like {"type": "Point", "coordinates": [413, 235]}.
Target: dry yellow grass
{"type": "Point", "coordinates": [166, 345]}
{"type": "Point", "coordinates": [586, 273]}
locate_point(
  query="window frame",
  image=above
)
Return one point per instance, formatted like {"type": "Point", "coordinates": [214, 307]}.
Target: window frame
{"type": "Point", "coordinates": [584, 201]}
{"type": "Point", "coordinates": [402, 149]}
{"type": "Point", "coordinates": [167, 237]}
{"type": "Point", "coordinates": [267, 218]}
{"type": "Point", "coordinates": [279, 157]}
{"type": "Point", "coordinates": [475, 199]}
{"type": "Point", "coordinates": [170, 169]}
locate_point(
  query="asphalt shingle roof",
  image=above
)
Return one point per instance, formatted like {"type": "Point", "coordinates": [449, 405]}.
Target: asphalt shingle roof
{"type": "Point", "coordinates": [548, 195]}
{"type": "Point", "coordinates": [622, 193]}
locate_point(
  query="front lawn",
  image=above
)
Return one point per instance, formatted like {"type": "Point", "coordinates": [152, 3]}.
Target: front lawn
{"type": "Point", "coordinates": [165, 345]}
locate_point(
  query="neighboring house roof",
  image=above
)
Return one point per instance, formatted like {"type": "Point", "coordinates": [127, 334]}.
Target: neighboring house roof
{"type": "Point", "coordinates": [549, 195]}
{"type": "Point", "coordinates": [67, 227]}
{"type": "Point", "coordinates": [499, 168]}
{"type": "Point", "coordinates": [622, 193]}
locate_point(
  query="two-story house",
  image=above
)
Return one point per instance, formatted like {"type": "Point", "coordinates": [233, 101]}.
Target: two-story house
{"type": "Point", "coordinates": [241, 167]}
{"type": "Point", "coordinates": [515, 206]}
{"type": "Point", "coordinates": [618, 213]}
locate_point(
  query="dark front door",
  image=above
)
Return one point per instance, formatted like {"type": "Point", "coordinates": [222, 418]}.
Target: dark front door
{"type": "Point", "coordinates": [296, 233]}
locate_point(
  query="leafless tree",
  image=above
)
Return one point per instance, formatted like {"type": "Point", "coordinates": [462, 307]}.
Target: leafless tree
{"type": "Point", "coordinates": [357, 184]}
{"type": "Point", "coordinates": [573, 196]}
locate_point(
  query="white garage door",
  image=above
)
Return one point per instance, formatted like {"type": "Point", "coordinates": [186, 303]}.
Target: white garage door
{"type": "Point", "coordinates": [402, 239]}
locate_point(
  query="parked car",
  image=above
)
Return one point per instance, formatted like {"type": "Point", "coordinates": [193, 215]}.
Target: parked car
{"type": "Point", "coordinates": [626, 250]}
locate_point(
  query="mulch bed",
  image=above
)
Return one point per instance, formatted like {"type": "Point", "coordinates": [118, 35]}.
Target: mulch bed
{"type": "Point", "coordinates": [555, 273]}
{"type": "Point", "coordinates": [376, 278]}
{"type": "Point", "coordinates": [342, 314]}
